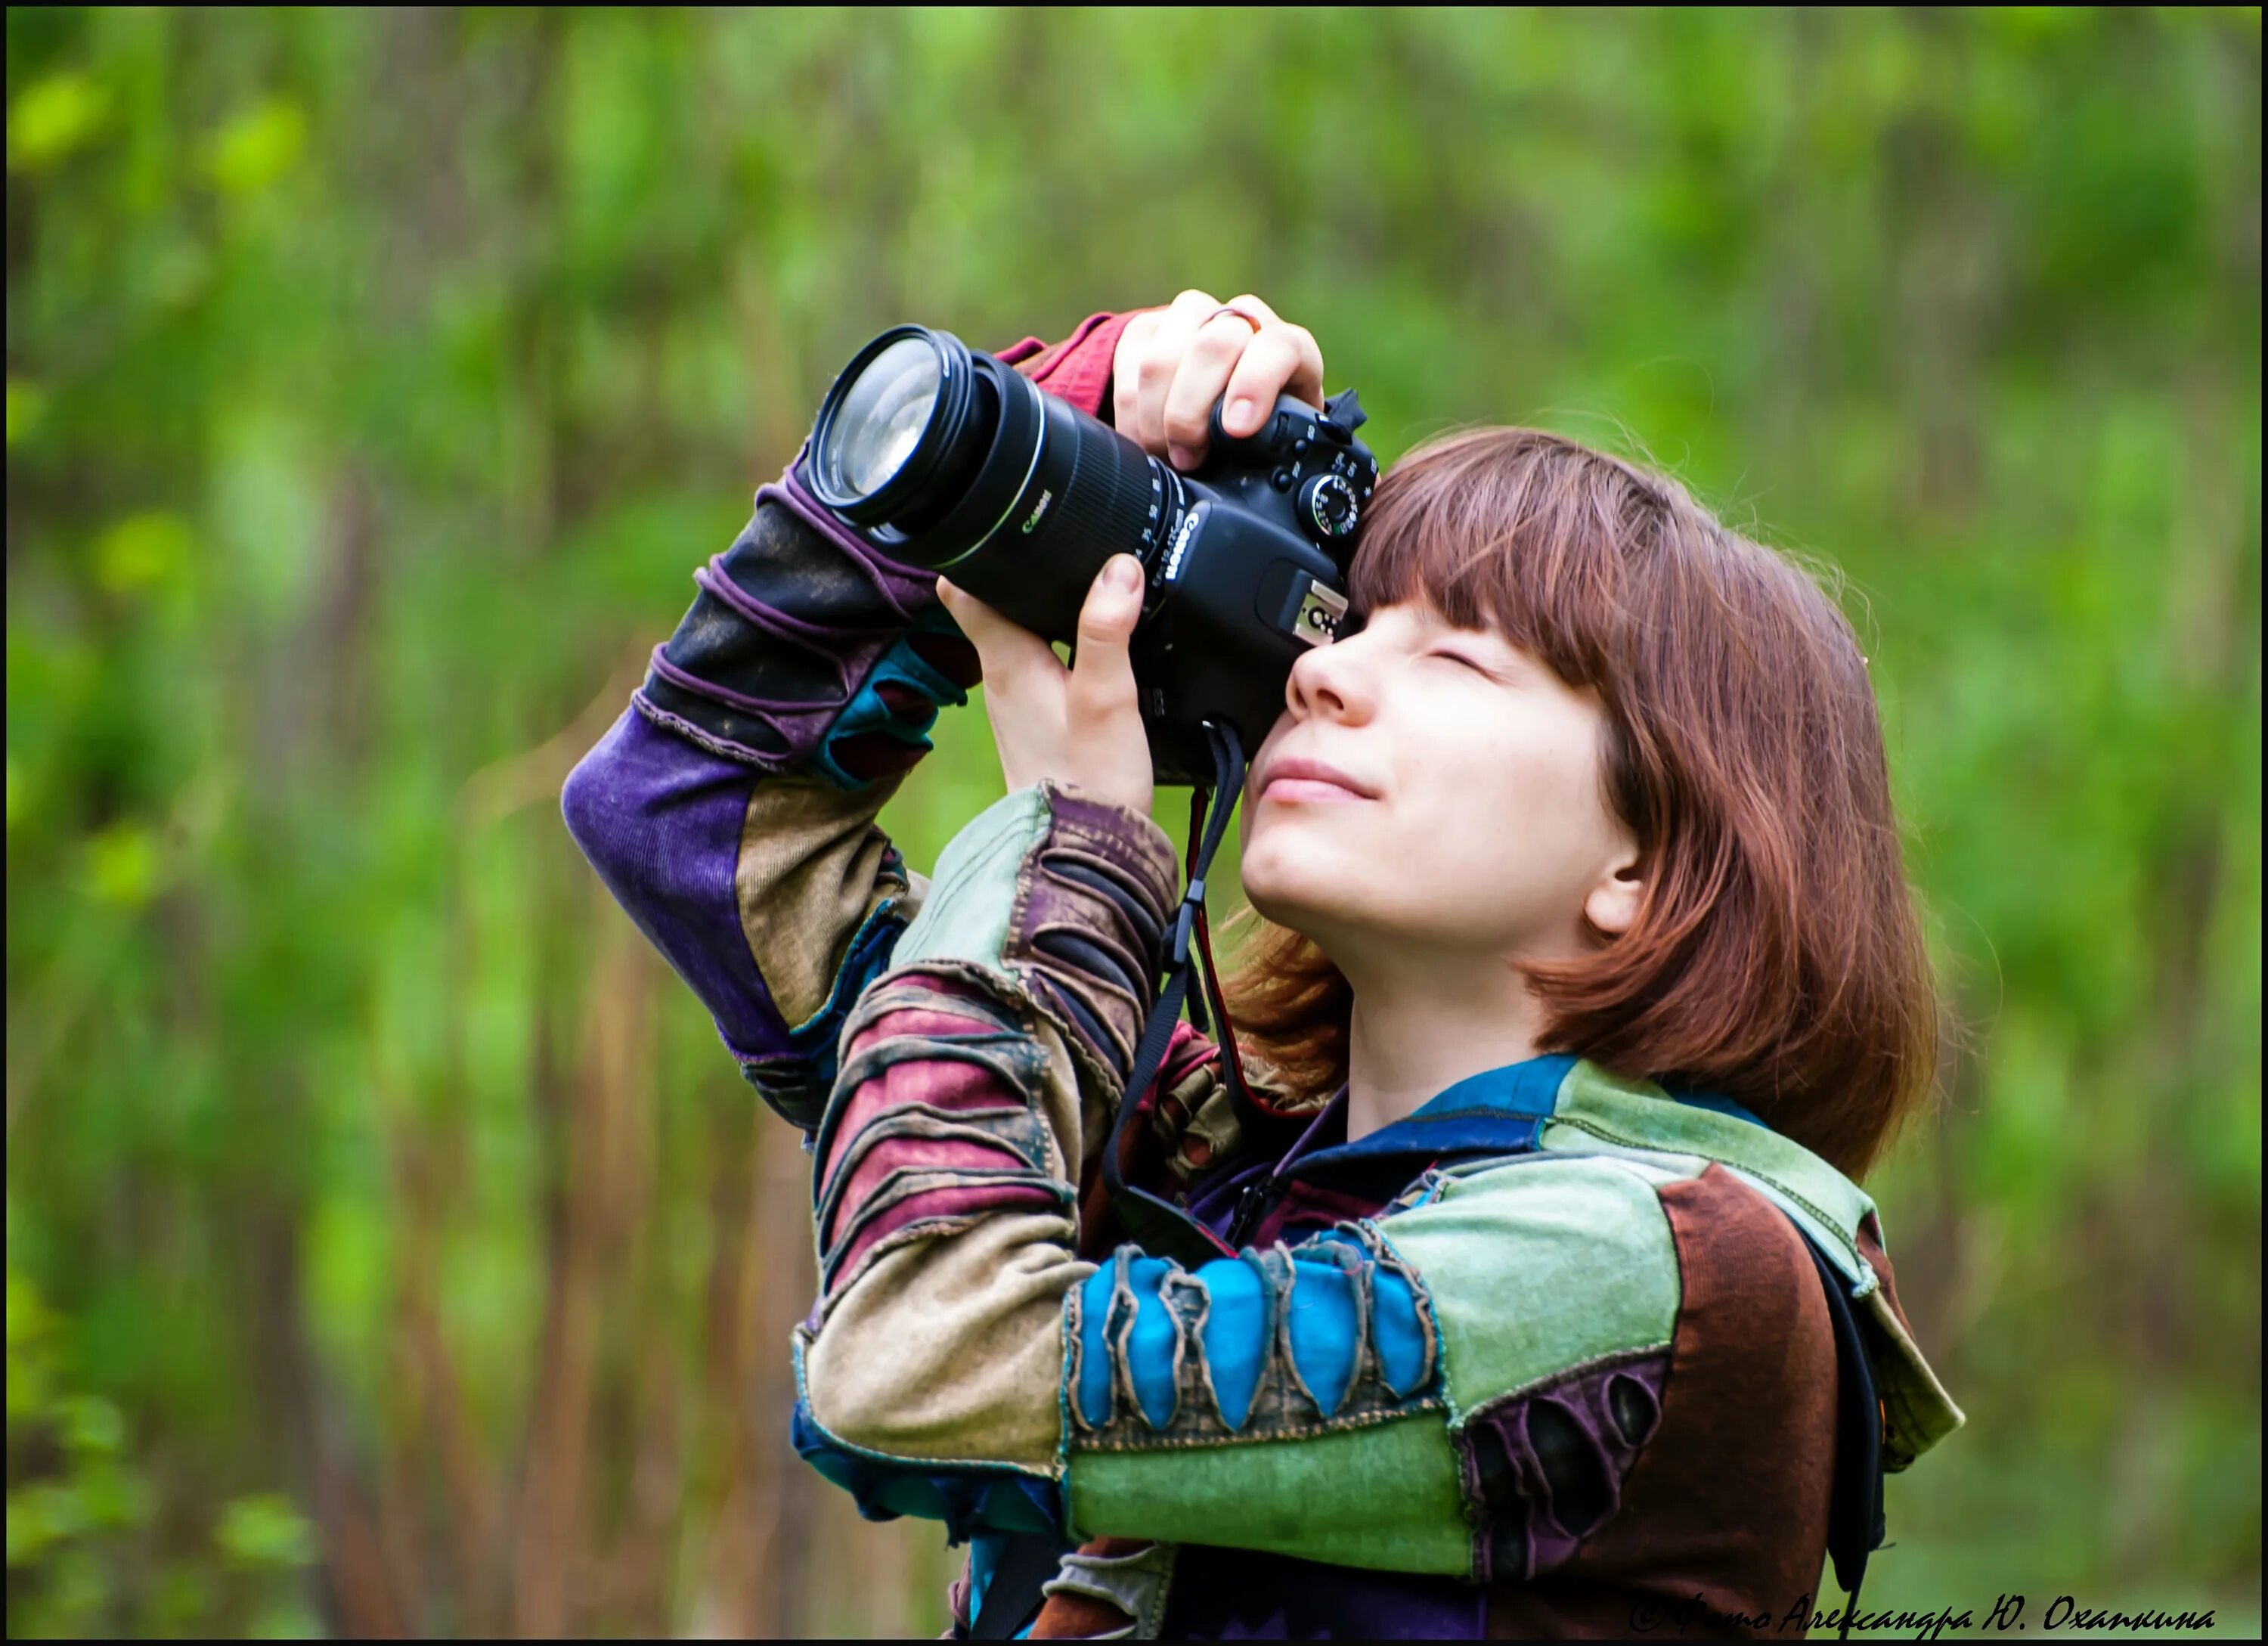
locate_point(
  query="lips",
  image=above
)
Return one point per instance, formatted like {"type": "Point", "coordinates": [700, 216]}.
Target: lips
{"type": "Point", "coordinates": [1293, 779]}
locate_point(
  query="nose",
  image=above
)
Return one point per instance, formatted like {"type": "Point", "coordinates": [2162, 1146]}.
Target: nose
{"type": "Point", "coordinates": [1333, 681]}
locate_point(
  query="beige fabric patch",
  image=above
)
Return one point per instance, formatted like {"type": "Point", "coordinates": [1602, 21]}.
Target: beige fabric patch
{"type": "Point", "coordinates": [950, 1349]}
{"type": "Point", "coordinates": [809, 873]}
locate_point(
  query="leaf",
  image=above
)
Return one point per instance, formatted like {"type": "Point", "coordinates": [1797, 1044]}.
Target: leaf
{"type": "Point", "coordinates": [265, 1529]}
{"type": "Point", "coordinates": [46, 122]}
{"type": "Point", "coordinates": [256, 148]}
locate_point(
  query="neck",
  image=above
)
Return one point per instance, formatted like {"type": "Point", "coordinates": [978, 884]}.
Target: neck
{"type": "Point", "coordinates": [1422, 1024]}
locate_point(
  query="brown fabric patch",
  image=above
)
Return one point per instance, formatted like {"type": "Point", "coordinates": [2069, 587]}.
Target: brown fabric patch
{"type": "Point", "coordinates": [1727, 1502]}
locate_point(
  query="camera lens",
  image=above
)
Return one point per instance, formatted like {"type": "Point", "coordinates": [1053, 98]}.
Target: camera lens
{"type": "Point", "coordinates": [952, 461]}
{"type": "Point", "coordinates": [882, 419]}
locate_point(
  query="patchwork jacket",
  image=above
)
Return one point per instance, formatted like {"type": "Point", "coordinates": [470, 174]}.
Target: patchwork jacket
{"type": "Point", "coordinates": [1549, 1349]}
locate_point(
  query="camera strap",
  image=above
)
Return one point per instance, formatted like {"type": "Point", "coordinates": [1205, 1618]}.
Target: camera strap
{"type": "Point", "coordinates": [1160, 1227]}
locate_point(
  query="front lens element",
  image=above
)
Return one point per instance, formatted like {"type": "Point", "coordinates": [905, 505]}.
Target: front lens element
{"type": "Point", "coordinates": [882, 419]}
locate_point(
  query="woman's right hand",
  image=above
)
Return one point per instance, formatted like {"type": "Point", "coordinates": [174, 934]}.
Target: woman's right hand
{"type": "Point", "coordinates": [1172, 363]}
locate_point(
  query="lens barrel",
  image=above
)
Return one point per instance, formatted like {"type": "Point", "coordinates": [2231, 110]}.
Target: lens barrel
{"type": "Point", "coordinates": [1013, 493]}
{"type": "Point", "coordinates": [892, 427]}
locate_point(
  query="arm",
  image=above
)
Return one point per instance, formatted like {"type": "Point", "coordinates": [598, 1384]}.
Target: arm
{"type": "Point", "coordinates": [731, 809]}
{"type": "Point", "coordinates": [964, 1363]}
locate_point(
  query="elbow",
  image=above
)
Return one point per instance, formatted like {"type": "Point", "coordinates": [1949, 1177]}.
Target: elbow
{"type": "Point", "coordinates": [609, 812]}
{"type": "Point", "coordinates": [950, 1348]}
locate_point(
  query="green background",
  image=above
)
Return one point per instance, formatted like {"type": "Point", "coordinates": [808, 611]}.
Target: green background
{"type": "Point", "coordinates": [390, 1245]}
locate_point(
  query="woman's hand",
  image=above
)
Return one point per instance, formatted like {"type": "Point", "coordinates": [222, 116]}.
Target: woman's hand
{"type": "Point", "coordinates": [1173, 365]}
{"type": "Point", "coordinates": [1080, 725]}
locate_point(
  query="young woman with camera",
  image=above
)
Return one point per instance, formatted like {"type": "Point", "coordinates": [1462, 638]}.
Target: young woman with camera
{"type": "Point", "coordinates": [1541, 1297]}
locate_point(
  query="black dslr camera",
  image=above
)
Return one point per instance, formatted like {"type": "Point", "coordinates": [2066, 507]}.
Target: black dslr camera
{"type": "Point", "coordinates": [941, 457]}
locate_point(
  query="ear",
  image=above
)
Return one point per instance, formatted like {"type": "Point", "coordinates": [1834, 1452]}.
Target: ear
{"type": "Point", "coordinates": [1612, 904]}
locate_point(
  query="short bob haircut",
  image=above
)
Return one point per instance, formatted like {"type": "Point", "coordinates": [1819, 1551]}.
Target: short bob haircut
{"type": "Point", "coordinates": [1778, 956]}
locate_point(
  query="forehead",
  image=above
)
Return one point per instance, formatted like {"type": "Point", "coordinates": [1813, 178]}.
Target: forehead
{"type": "Point", "coordinates": [1417, 619]}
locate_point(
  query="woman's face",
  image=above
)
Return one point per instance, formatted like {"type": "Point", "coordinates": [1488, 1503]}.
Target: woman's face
{"type": "Point", "coordinates": [1437, 785]}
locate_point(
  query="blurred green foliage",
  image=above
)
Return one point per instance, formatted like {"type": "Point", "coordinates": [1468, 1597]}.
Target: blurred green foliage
{"type": "Point", "coordinates": [390, 1246]}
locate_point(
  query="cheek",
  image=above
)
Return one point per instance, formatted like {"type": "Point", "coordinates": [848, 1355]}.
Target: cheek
{"type": "Point", "coordinates": [1507, 832]}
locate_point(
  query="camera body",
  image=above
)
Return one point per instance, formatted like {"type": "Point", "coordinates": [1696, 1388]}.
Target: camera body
{"type": "Point", "coordinates": [943, 458]}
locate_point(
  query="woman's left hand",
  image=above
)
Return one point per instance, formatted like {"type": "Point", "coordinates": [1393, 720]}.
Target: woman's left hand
{"type": "Point", "coordinates": [1081, 725]}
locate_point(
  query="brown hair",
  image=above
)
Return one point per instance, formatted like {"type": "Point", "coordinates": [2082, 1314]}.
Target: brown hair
{"type": "Point", "coordinates": [1777, 958]}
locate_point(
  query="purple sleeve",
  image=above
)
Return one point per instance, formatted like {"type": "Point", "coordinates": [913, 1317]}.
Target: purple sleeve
{"type": "Point", "coordinates": [661, 820]}
{"type": "Point", "coordinates": [806, 654]}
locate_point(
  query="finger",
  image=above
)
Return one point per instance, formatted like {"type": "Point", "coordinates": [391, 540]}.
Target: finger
{"type": "Point", "coordinates": [1005, 651]}
{"type": "Point", "coordinates": [1155, 376]}
{"type": "Point", "coordinates": [1212, 356]}
{"type": "Point", "coordinates": [1125, 370]}
{"type": "Point", "coordinates": [1281, 360]}
{"type": "Point", "coordinates": [1102, 671]}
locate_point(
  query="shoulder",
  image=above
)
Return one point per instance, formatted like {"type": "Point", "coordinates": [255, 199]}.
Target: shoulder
{"type": "Point", "coordinates": [1537, 1263]}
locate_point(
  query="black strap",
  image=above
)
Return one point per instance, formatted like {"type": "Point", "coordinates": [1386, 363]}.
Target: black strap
{"type": "Point", "coordinates": [1161, 1229]}
{"type": "Point", "coordinates": [1012, 1598]}
{"type": "Point", "coordinates": [1855, 1526]}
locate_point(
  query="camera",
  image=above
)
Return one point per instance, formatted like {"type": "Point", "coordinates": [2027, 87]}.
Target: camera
{"type": "Point", "coordinates": [941, 457]}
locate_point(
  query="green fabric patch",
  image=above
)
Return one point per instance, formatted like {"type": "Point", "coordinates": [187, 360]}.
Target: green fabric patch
{"type": "Point", "coordinates": [1540, 1265]}
{"type": "Point", "coordinates": [1387, 1498]}
{"type": "Point", "coordinates": [1638, 1114]}
{"type": "Point", "coordinates": [1602, 1116]}
{"type": "Point", "coordinates": [973, 894]}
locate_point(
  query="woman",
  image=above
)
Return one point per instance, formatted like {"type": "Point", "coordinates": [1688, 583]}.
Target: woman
{"type": "Point", "coordinates": [1590, 983]}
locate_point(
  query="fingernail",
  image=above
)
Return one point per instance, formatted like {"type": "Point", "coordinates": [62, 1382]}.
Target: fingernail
{"type": "Point", "coordinates": [1243, 416]}
{"type": "Point", "coordinates": [1124, 573]}
{"type": "Point", "coordinates": [1181, 457]}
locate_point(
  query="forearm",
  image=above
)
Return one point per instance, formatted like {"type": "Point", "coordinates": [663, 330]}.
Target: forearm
{"type": "Point", "coordinates": [742, 842]}
{"type": "Point", "coordinates": [731, 809]}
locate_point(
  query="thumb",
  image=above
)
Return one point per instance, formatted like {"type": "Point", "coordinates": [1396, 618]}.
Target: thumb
{"type": "Point", "coordinates": [1102, 673]}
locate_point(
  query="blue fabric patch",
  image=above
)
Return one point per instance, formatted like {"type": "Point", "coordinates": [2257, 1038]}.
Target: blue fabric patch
{"type": "Point", "coordinates": [972, 1498]}
{"type": "Point", "coordinates": [1150, 1346]}
{"type": "Point", "coordinates": [1498, 1111]}
{"type": "Point", "coordinates": [1324, 1331]}
{"type": "Point", "coordinates": [1094, 1345]}
{"type": "Point", "coordinates": [866, 711]}
{"type": "Point", "coordinates": [1398, 1332]}
{"type": "Point", "coordinates": [1236, 1335]}
{"type": "Point", "coordinates": [1325, 1327]}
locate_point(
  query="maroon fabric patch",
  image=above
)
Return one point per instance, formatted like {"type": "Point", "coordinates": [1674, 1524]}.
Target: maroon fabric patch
{"type": "Point", "coordinates": [1078, 368]}
{"type": "Point", "coordinates": [1546, 1467]}
{"type": "Point", "coordinates": [933, 1205]}
{"type": "Point", "coordinates": [1726, 1503]}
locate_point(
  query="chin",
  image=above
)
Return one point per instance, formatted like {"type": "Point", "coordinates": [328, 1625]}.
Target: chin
{"type": "Point", "coordinates": [1307, 897]}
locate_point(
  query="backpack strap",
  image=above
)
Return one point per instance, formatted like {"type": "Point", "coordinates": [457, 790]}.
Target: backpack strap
{"type": "Point", "coordinates": [1855, 1527]}
{"type": "Point", "coordinates": [1012, 1599]}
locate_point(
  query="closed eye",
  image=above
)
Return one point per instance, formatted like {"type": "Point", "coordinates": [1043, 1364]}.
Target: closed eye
{"type": "Point", "coordinates": [1459, 657]}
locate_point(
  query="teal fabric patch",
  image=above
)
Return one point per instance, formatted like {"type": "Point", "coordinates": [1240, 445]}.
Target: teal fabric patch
{"type": "Point", "coordinates": [1539, 1265]}
{"type": "Point", "coordinates": [1596, 1107]}
{"type": "Point", "coordinates": [973, 893]}
{"type": "Point", "coordinates": [868, 711]}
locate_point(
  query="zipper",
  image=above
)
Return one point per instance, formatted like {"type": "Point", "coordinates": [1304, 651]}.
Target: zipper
{"type": "Point", "coordinates": [1252, 1204]}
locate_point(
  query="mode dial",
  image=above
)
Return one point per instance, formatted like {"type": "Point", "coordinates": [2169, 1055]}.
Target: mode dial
{"type": "Point", "coordinates": [1328, 507]}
